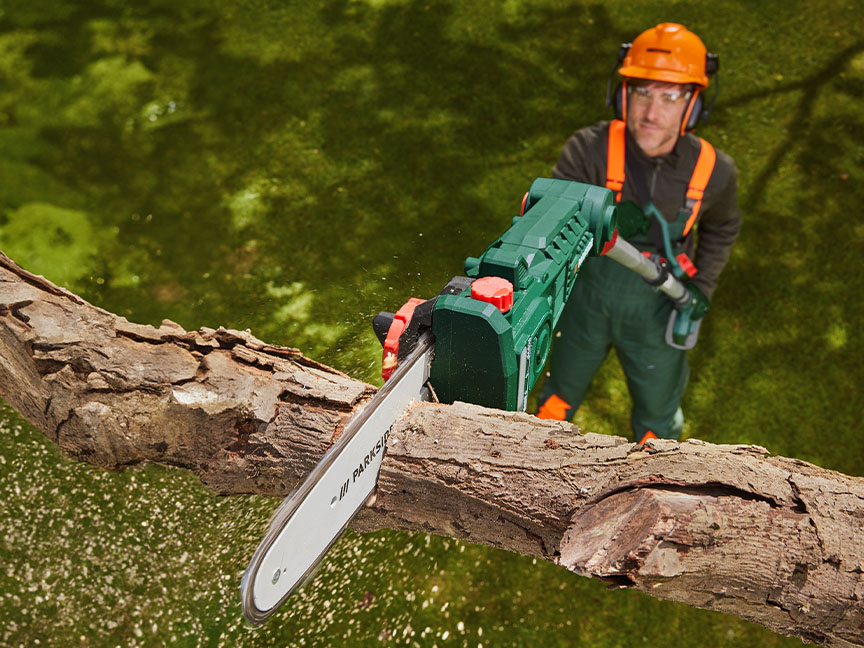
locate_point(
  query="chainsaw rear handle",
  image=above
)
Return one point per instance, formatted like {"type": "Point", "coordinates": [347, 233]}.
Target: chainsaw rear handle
{"type": "Point", "coordinates": [682, 331]}
{"type": "Point", "coordinates": [650, 269]}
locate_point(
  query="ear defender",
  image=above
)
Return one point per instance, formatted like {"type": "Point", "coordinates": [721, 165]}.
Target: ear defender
{"type": "Point", "coordinates": [697, 111]}
{"type": "Point", "coordinates": [693, 114]}
{"type": "Point", "coordinates": [617, 100]}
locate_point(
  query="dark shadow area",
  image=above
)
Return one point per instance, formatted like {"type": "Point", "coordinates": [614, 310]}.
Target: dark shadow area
{"type": "Point", "coordinates": [387, 158]}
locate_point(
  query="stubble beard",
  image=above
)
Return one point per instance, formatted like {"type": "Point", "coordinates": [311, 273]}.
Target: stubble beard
{"type": "Point", "coordinates": [656, 140]}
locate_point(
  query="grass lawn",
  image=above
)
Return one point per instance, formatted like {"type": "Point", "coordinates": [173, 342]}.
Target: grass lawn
{"type": "Point", "coordinates": [296, 167]}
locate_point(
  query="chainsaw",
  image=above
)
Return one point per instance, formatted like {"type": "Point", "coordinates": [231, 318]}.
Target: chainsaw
{"type": "Point", "coordinates": [484, 339]}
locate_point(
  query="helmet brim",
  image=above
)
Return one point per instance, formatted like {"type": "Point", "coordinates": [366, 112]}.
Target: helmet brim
{"type": "Point", "coordinates": [667, 76]}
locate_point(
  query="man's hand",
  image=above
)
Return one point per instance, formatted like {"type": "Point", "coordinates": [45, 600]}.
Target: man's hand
{"type": "Point", "coordinates": [697, 302]}
{"type": "Point", "coordinates": [631, 221]}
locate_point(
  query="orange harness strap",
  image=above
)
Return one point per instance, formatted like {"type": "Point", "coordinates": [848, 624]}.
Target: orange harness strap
{"type": "Point", "coordinates": [698, 182]}
{"type": "Point", "coordinates": [615, 158]}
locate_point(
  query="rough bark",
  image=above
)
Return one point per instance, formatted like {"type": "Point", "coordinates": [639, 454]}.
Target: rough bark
{"type": "Point", "coordinates": [730, 528]}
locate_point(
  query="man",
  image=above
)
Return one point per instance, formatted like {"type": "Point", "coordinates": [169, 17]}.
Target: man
{"type": "Point", "coordinates": [648, 158]}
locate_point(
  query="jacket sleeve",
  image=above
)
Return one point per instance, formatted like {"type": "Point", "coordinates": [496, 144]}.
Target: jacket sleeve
{"type": "Point", "coordinates": [717, 230]}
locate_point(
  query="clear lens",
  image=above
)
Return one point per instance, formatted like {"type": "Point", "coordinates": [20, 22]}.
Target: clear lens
{"type": "Point", "coordinates": [668, 97]}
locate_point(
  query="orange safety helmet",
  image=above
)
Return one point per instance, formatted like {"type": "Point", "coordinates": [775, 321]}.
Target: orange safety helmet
{"type": "Point", "coordinates": [668, 52]}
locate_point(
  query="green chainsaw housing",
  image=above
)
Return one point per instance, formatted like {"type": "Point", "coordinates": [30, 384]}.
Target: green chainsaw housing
{"type": "Point", "coordinates": [493, 358]}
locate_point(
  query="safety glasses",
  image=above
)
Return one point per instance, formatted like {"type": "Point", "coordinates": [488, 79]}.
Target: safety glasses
{"type": "Point", "coordinates": [668, 97]}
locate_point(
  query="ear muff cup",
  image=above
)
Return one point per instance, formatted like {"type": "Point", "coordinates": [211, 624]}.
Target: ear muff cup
{"type": "Point", "coordinates": [693, 114]}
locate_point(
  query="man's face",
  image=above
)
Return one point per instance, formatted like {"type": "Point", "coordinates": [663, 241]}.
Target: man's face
{"type": "Point", "coordinates": [654, 112]}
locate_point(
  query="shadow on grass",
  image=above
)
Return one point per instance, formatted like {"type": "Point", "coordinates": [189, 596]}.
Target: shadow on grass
{"type": "Point", "coordinates": [794, 376]}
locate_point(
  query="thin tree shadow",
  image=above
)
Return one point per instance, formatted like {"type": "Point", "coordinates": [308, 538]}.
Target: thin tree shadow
{"type": "Point", "coordinates": [790, 296]}
{"type": "Point", "coordinates": [811, 86]}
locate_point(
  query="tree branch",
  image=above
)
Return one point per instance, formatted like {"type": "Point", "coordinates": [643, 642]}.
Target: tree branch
{"type": "Point", "coordinates": [770, 539]}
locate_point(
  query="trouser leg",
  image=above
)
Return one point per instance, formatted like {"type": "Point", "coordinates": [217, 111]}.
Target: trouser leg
{"type": "Point", "coordinates": [577, 354]}
{"type": "Point", "coordinates": [656, 377]}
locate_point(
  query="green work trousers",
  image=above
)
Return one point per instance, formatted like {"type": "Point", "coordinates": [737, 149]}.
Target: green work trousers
{"type": "Point", "coordinates": [611, 306]}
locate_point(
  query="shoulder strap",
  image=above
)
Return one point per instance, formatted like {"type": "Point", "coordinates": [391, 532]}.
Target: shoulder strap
{"type": "Point", "coordinates": [698, 182]}
{"type": "Point", "coordinates": [615, 158]}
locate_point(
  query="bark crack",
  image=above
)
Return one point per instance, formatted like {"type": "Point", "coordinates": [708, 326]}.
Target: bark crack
{"type": "Point", "coordinates": [61, 424]}
{"type": "Point", "coordinates": [709, 488]}
{"type": "Point", "coordinates": [801, 507]}
{"type": "Point", "coordinates": [136, 337]}
{"type": "Point", "coordinates": [312, 402]}
{"type": "Point", "coordinates": [14, 309]}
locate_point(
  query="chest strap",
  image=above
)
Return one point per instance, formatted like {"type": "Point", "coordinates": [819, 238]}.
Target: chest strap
{"type": "Point", "coordinates": [615, 158]}
{"type": "Point", "coordinates": [698, 181]}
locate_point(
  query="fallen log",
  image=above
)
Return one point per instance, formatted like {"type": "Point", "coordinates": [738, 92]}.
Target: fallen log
{"type": "Point", "coordinates": [774, 540]}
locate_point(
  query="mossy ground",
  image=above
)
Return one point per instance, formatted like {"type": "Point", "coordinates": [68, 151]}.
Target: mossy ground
{"type": "Point", "coordinates": [294, 168]}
